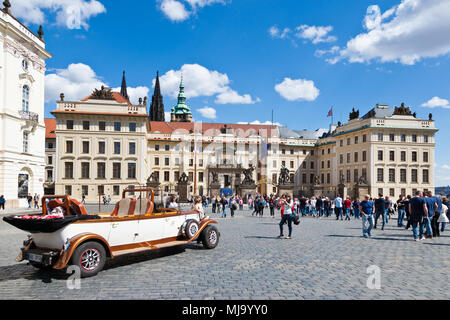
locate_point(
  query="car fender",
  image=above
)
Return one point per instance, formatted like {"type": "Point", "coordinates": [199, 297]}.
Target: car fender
{"type": "Point", "coordinates": [75, 242]}
{"type": "Point", "coordinates": [203, 224]}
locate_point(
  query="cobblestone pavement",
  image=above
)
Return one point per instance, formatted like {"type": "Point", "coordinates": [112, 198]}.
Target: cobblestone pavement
{"type": "Point", "coordinates": [326, 259]}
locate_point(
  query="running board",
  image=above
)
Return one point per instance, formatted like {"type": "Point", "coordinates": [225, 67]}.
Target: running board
{"type": "Point", "coordinates": [148, 248]}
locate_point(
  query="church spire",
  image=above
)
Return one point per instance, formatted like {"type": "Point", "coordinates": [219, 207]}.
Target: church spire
{"type": "Point", "coordinates": [157, 106]}
{"type": "Point", "coordinates": [123, 89]}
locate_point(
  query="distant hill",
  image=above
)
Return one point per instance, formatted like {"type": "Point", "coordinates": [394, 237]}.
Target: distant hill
{"type": "Point", "coordinates": [443, 190]}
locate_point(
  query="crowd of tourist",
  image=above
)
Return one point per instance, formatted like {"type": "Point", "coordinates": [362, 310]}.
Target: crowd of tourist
{"type": "Point", "coordinates": [426, 214]}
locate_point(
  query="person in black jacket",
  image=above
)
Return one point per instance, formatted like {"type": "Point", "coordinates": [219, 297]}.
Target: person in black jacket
{"type": "Point", "coordinates": [380, 210]}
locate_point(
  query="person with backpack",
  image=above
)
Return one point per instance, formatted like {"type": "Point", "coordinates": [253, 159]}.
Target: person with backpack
{"type": "Point", "coordinates": [233, 206]}
{"type": "Point", "coordinates": [2, 202]}
{"type": "Point", "coordinates": [224, 204]}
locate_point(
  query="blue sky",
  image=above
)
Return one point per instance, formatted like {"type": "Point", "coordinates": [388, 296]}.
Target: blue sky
{"type": "Point", "coordinates": [243, 58]}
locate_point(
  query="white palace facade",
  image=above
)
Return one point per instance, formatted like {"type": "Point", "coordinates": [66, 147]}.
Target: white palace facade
{"type": "Point", "coordinates": [22, 128]}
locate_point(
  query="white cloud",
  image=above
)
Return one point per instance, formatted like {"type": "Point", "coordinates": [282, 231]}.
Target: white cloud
{"type": "Point", "coordinates": [277, 33]}
{"type": "Point", "coordinates": [320, 53]}
{"type": "Point", "coordinates": [406, 33]}
{"type": "Point", "coordinates": [297, 89]}
{"type": "Point", "coordinates": [445, 166]}
{"type": "Point", "coordinates": [207, 112]}
{"type": "Point", "coordinates": [316, 34]}
{"type": "Point", "coordinates": [176, 10]}
{"type": "Point", "coordinates": [167, 116]}
{"type": "Point", "coordinates": [78, 81]}
{"type": "Point", "coordinates": [437, 102]}
{"type": "Point", "coordinates": [73, 14]}
{"type": "Point", "coordinates": [200, 81]}
{"type": "Point", "coordinates": [231, 96]}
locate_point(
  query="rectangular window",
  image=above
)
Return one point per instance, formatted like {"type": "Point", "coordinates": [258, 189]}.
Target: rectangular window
{"type": "Point", "coordinates": [392, 192]}
{"type": "Point", "coordinates": [200, 176]}
{"type": "Point", "coordinates": [167, 147]}
{"type": "Point", "coordinates": [322, 164]}
{"type": "Point", "coordinates": [156, 147]}
{"type": "Point", "coordinates": [425, 157]}
{"type": "Point", "coordinates": [156, 161]}
{"type": "Point", "coordinates": [68, 170]}
{"type": "Point", "coordinates": [101, 147]}
{"type": "Point", "coordinates": [349, 177]}
{"type": "Point", "coordinates": [117, 126]}
{"type": "Point", "coordinates": [380, 155]}
{"type": "Point", "coordinates": [403, 175]}
{"type": "Point", "coordinates": [177, 176]}
{"type": "Point", "coordinates": [304, 164]}
{"type": "Point", "coordinates": [86, 125]}
{"type": "Point", "coordinates": [414, 138]}
{"type": "Point", "coordinates": [166, 176]}
{"type": "Point", "coordinates": [403, 156]}
{"type": "Point", "coordinates": [348, 141]}
{"type": "Point", "coordinates": [303, 178]}
{"type": "Point", "coordinates": [341, 158]}
{"type": "Point", "coordinates": [425, 176]}
{"type": "Point", "coordinates": [392, 155]}
{"type": "Point", "coordinates": [101, 170]}
{"type": "Point", "coordinates": [392, 137]}
{"type": "Point", "coordinates": [25, 142]}
{"type": "Point", "coordinates": [380, 137]}
{"type": "Point", "coordinates": [380, 175]}
{"type": "Point", "coordinates": [292, 164]}
{"type": "Point", "coordinates": [85, 146]}
{"type": "Point", "coordinates": [85, 190]}
{"type": "Point", "coordinates": [364, 138]}
{"type": "Point", "coordinates": [355, 175]}
{"type": "Point", "coordinates": [341, 143]}
{"type": "Point", "coordinates": [116, 147]}
{"type": "Point", "coordinates": [132, 147]}
{"type": "Point", "coordinates": [69, 124]}
{"type": "Point", "coordinates": [414, 175]}
{"type": "Point", "coordinates": [167, 161]}
{"type": "Point", "coordinates": [132, 126]}
{"type": "Point", "coordinates": [356, 157]}
{"type": "Point", "coordinates": [68, 190]}
{"type": "Point", "coordinates": [391, 175]}
{"type": "Point", "coordinates": [328, 164]}
{"type": "Point", "coordinates": [414, 156]}
{"type": "Point", "coordinates": [116, 190]}
{"type": "Point", "coordinates": [348, 157]}
{"type": "Point", "coordinates": [191, 176]}
{"type": "Point", "coordinates": [356, 140]}
{"type": "Point", "coordinates": [328, 178]}
{"type": "Point", "coordinates": [132, 171]}
{"type": "Point", "coordinates": [116, 170]}
{"type": "Point", "coordinates": [425, 139]}
{"type": "Point", "coordinates": [364, 156]}
{"type": "Point", "coordinates": [312, 164]}
{"type": "Point", "coordinates": [85, 170]}
{"type": "Point", "coordinates": [102, 126]}
{"type": "Point", "coordinates": [403, 137]}
{"type": "Point", "coordinates": [49, 175]}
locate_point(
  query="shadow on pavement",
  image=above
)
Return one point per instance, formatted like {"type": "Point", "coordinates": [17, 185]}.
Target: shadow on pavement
{"type": "Point", "coordinates": [28, 272]}
{"type": "Point", "coordinates": [261, 237]}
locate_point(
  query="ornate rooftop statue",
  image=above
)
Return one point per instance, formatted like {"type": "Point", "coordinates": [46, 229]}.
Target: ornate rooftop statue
{"type": "Point", "coordinates": [215, 177]}
{"type": "Point", "coordinates": [402, 111]}
{"type": "Point", "coordinates": [317, 181]}
{"type": "Point", "coordinates": [430, 117]}
{"type": "Point", "coordinates": [354, 114]}
{"type": "Point", "coordinates": [362, 180]}
{"type": "Point", "coordinates": [102, 94]}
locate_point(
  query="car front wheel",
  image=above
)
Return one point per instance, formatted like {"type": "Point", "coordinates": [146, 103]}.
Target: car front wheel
{"type": "Point", "coordinates": [90, 257]}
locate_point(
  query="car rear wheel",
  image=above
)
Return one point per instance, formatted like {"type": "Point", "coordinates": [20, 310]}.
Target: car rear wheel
{"type": "Point", "coordinates": [90, 257]}
{"type": "Point", "coordinates": [210, 237]}
{"type": "Point", "coordinates": [191, 228]}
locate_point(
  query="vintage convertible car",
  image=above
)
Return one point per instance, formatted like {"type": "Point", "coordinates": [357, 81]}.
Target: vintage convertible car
{"type": "Point", "coordinates": [86, 241]}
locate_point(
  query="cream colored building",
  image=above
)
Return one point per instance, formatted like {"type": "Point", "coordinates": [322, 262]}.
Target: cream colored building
{"type": "Point", "coordinates": [391, 149]}
{"type": "Point", "coordinates": [22, 128]}
{"type": "Point", "coordinates": [101, 146]}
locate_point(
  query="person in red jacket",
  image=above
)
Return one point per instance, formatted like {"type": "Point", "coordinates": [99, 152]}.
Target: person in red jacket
{"type": "Point", "coordinates": [347, 208]}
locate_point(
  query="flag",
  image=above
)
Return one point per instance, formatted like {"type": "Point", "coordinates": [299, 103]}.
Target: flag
{"type": "Point", "coordinates": [330, 113]}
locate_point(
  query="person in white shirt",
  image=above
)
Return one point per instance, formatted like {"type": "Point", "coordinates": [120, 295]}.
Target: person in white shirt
{"type": "Point", "coordinates": [443, 218]}
{"type": "Point", "coordinates": [287, 205]}
{"type": "Point", "coordinates": [198, 207]}
{"type": "Point", "coordinates": [173, 203]}
{"type": "Point", "coordinates": [313, 202]}
{"type": "Point", "coordinates": [338, 209]}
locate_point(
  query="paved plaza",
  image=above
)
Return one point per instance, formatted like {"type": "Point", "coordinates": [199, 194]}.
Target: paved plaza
{"type": "Point", "coordinates": [326, 259]}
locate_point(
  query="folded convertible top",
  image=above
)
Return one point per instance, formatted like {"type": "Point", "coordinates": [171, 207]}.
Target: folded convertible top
{"type": "Point", "coordinates": [45, 225]}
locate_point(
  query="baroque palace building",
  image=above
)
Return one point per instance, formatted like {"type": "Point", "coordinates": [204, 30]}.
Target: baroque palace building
{"type": "Point", "coordinates": [22, 127]}
{"type": "Point", "coordinates": [105, 144]}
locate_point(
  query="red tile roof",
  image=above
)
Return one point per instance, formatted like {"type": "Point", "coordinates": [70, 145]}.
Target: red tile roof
{"type": "Point", "coordinates": [242, 130]}
{"type": "Point", "coordinates": [50, 127]}
{"type": "Point", "coordinates": [117, 97]}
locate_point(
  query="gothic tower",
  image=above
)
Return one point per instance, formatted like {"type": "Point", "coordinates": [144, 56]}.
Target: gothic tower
{"type": "Point", "coordinates": [123, 88]}
{"type": "Point", "coordinates": [157, 106]}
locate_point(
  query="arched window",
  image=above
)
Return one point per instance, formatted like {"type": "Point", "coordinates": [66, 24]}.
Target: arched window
{"type": "Point", "coordinates": [25, 98]}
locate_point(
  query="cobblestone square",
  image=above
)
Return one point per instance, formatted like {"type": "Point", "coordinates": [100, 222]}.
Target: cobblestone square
{"type": "Point", "coordinates": [326, 259]}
